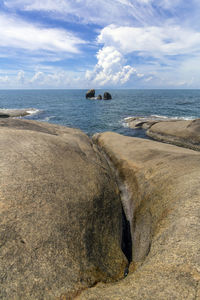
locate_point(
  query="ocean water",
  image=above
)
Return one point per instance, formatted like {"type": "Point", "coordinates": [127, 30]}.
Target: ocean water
{"type": "Point", "coordinates": [71, 108]}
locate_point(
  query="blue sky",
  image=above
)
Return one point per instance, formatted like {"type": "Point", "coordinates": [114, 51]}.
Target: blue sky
{"type": "Point", "coordinates": [99, 43]}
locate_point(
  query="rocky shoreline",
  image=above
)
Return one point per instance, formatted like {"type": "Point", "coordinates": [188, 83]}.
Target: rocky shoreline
{"type": "Point", "coordinates": [183, 133]}
{"type": "Point", "coordinates": [63, 232]}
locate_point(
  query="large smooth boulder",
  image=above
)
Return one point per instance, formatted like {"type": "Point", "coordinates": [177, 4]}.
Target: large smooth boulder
{"type": "Point", "coordinates": [161, 197]}
{"type": "Point", "coordinates": [90, 94]}
{"type": "Point", "coordinates": [181, 133]}
{"type": "Point", "coordinates": [107, 96]}
{"type": "Point", "coordinates": [60, 213]}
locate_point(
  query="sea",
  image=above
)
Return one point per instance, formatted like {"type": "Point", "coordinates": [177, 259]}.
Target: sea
{"type": "Point", "coordinates": [71, 108]}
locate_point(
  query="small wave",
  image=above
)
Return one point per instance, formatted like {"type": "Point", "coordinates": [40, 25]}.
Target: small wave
{"type": "Point", "coordinates": [33, 111]}
{"type": "Point", "coordinates": [47, 119]}
{"type": "Point", "coordinates": [159, 117]}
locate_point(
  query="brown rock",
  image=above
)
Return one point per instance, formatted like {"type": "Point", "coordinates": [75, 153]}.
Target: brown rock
{"type": "Point", "coordinates": [161, 197]}
{"type": "Point", "coordinates": [60, 213]}
{"type": "Point", "coordinates": [181, 133]}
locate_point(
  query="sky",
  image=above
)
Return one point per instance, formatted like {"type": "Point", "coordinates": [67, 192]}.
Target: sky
{"type": "Point", "coordinates": [99, 44]}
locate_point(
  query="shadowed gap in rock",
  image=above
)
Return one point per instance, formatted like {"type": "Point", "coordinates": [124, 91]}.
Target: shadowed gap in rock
{"type": "Point", "coordinates": [126, 243]}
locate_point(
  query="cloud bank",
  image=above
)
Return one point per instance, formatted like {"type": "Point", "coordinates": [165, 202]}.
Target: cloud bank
{"type": "Point", "coordinates": [116, 43]}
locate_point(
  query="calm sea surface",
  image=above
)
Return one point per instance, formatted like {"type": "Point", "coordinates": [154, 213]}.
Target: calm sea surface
{"type": "Point", "coordinates": [70, 108]}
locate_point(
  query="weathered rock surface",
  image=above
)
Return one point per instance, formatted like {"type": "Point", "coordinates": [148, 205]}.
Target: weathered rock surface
{"type": "Point", "coordinates": [90, 94]}
{"type": "Point", "coordinates": [107, 96]}
{"type": "Point", "coordinates": [60, 213]}
{"type": "Point", "coordinates": [161, 198]}
{"type": "Point", "coordinates": [181, 133]}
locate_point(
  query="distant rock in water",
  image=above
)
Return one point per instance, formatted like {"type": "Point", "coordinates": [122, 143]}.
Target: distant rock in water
{"type": "Point", "coordinates": [99, 97]}
{"type": "Point", "coordinates": [107, 96]}
{"type": "Point", "coordinates": [90, 94]}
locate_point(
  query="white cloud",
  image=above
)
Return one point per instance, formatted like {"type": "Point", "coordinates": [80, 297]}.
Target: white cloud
{"type": "Point", "coordinates": [37, 78]}
{"type": "Point", "coordinates": [16, 33]}
{"type": "Point", "coordinates": [4, 79]}
{"type": "Point", "coordinates": [21, 76]}
{"type": "Point", "coordinates": [111, 68]}
{"type": "Point", "coordinates": [89, 11]}
{"type": "Point", "coordinates": [151, 41]}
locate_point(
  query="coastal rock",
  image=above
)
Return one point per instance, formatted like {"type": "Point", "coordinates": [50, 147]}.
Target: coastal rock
{"type": "Point", "coordinates": [3, 115]}
{"type": "Point", "coordinates": [99, 97]}
{"type": "Point", "coordinates": [107, 96]}
{"type": "Point", "coordinates": [17, 112]}
{"type": "Point", "coordinates": [90, 94]}
{"type": "Point", "coordinates": [160, 195]}
{"type": "Point", "coordinates": [145, 122]}
{"type": "Point", "coordinates": [60, 213]}
{"type": "Point", "coordinates": [181, 133]}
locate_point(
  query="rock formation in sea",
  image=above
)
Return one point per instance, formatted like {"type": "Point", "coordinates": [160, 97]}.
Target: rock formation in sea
{"type": "Point", "coordinates": [99, 97]}
{"type": "Point", "coordinates": [90, 94]}
{"type": "Point", "coordinates": [107, 96]}
{"type": "Point", "coordinates": [160, 194]}
{"type": "Point", "coordinates": [60, 213]}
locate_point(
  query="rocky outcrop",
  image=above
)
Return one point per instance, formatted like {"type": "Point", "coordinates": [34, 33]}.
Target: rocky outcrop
{"type": "Point", "coordinates": [90, 94]}
{"type": "Point", "coordinates": [146, 122]}
{"type": "Point", "coordinates": [99, 97]}
{"type": "Point", "coordinates": [107, 96]}
{"type": "Point", "coordinates": [160, 195]}
{"type": "Point", "coordinates": [60, 213]}
{"type": "Point", "coordinates": [6, 113]}
{"type": "Point", "coordinates": [181, 133]}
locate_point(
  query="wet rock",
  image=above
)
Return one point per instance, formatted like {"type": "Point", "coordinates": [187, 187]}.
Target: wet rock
{"type": "Point", "coordinates": [60, 213]}
{"type": "Point", "coordinates": [107, 96]}
{"type": "Point", "coordinates": [90, 94]}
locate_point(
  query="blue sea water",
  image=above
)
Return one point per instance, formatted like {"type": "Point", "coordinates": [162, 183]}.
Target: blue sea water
{"type": "Point", "coordinates": [71, 108]}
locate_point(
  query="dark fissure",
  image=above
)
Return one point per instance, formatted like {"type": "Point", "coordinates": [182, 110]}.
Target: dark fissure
{"type": "Point", "coordinates": [126, 243]}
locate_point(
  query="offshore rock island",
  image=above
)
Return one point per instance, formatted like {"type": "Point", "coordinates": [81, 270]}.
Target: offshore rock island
{"type": "Point", "coordinates": [91, 95]}
{"type": "Point", "coordinates": [69, 203]}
